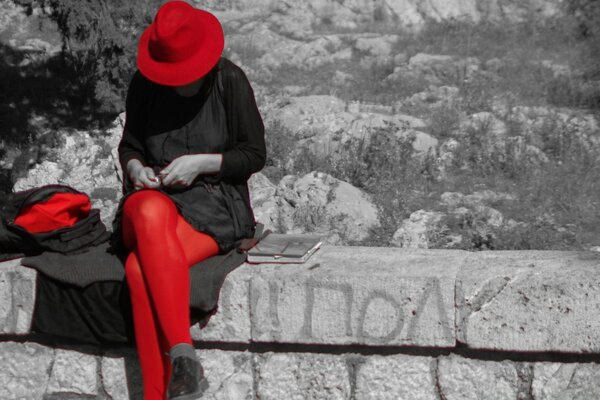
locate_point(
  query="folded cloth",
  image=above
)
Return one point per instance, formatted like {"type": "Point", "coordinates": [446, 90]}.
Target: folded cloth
{"type": "Point", "coordinates": [81, 269]}
{"type": "Point", "coordinates": [83, 297]}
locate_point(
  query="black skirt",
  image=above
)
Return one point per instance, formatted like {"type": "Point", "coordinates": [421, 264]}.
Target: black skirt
{"type": "Point", "coordinates": [206, 207]}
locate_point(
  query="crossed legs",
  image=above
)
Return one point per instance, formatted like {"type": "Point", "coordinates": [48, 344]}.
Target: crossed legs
{"type": "Point", "coordinates": [163, 246]}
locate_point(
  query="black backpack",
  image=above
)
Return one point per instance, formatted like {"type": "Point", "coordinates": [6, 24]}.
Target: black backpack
{"type": "Point", "coordinates": [16, 241]}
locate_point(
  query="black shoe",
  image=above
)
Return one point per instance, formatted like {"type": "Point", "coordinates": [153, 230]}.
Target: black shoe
{"type": "Point", "coordinates": [187, 380]}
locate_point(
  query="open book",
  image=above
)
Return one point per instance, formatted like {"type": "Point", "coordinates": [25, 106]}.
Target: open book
{"type": "Point", "coordinates": [284, 248]}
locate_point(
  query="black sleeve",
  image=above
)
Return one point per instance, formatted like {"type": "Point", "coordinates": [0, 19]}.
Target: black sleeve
{"type": "Point", "coordinates": [248, 152]}
{"type": "Point", "coordinates": [131, 144]}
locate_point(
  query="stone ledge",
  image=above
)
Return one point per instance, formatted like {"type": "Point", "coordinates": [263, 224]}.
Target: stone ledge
{"type": "Point", "coordinates": [515, 301]}
{"type": "Point", "coordinates": [530, 301]}
{"type": "Point", "coordinates": [36, 372]}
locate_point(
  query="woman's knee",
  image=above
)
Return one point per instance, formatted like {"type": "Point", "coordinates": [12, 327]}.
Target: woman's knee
{"type": "Point", "coordinates": [149, 207]}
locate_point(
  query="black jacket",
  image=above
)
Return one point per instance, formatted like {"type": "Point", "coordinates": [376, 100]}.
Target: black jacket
{"type": "Point", "coordinates": [221, 118]}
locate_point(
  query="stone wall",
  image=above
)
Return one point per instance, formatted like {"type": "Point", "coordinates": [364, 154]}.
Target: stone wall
{"type": "Point", "coordinates": [355, 323]}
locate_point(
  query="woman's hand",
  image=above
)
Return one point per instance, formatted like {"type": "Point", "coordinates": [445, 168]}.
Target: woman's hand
{"type": "Point", "coordinates": [183, 170]}
{"type": "Point", "coordinates": [142, 177]}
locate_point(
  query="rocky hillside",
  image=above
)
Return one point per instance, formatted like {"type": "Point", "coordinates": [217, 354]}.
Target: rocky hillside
{"type": "Point", "coordinates": [298, 17]}
{"type": "Point", "coordinates": [430, 124]}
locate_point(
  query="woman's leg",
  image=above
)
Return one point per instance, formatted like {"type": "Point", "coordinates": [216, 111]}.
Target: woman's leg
{"type": "Point", "coordinates": [153, 360]}
{"type": "Point", "coordinates": [196, 246]}
{"type": "Point", "coordinates": [151, 217]}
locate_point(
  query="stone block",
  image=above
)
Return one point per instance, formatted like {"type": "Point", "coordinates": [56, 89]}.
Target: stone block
{"type": "Point", "coordinates": [556, 381]}
{"type": "Point", "coordinates": [73, 373]}
{"type": "Point", "coordinates": [302, 376]}
{"type": "Point", "coordinates": [530, 301]}
{"type": "Point", "coordinates": [396, 377]}
{"type": "Point", "coordinates": [24, 371]}
{"type": "Point", "coordinates": [17, 297]}
{"type": "Point", "coordinates": [121, 376]}
{"type": "Point", "coordinates": [231, 323]}
{"type": "Point", "coordinates": [467, 379]}
{"type": "Point", "coordinates": [357, 295]}
{"type": "Point", "coordinates": [229, 374]}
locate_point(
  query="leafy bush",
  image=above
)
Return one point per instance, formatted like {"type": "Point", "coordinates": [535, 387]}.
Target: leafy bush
{"type": "Point", "coordinates": [100, 43]}
{"type": "Point", "coordinates": [586, 14]}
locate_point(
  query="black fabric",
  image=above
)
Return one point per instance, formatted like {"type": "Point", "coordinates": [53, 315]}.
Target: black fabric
{"type": "Point", "coordinates": [99, 313]}
{"type": "Point", "coordinates": [70, 309]}
{"type": "Point", "coordinates": [207, 278]}
{"type": "Point", "coordinates": [221, 118]}
{"type": "Point", "coordinates": [14, 239]}
{"type": "Point", "coordinates": [82, 269]}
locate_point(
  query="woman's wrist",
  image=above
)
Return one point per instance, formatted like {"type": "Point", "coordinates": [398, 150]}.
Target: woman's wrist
{"type": "Point", "coordinates": [133, 163]}
{"type": "Point", "coordinates": [211, 163]}
{"type": "Point", "coordinates": [133, 166]}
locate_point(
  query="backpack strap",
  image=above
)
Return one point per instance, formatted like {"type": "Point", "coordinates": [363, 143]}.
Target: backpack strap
{"type": "Point", "coordinates": [248, 243]}
{"type": "Point", "coordinates": [219, 78]}
{"type": "Point", "coordinates": [220, 81]}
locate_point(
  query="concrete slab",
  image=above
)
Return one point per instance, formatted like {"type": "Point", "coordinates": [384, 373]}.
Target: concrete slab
{"type": "Point", "coordinates": [396, 377]}
{"type": "Point", "coordinates": [556, 381]}
{"type": "Point", "coordinates": [530, 301]}
{"type": "Point", "coordinates": [229, 374]}
{"type": "Point", "coordinates": [462, 378]}
{"type": "Point", "coordinates": [302, 376]}
{"type": "Point", "coordinates": [231, 323]}
{"type": "Point", "coordinates": [24, 372]}
{"type": "Point", "coordinates": [17, 297]}
{"type": "Point", "coordinates": [358, 295]}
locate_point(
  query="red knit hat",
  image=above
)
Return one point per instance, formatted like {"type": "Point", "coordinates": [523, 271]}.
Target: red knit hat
{"type": "Point", "coordinates": [182, 44]}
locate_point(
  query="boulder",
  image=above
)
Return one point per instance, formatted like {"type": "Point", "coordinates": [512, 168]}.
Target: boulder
{"type": "Point", "coordinates": [322, 124]}
{"type": "Point", "coordinates": [446, 157]}
{"type": "Point", "coordinates": [475, 199]}
{"type": "Point", "coordinates": [485, 123]}
{"type": "Point", "coordinates": [422, 143]}
{"type": "Point", "coordinates": [417, 231]}
{"type": "Point", "coordinates": [407, 13]}
{"type": "Point", "coordinates": [438, 69]}
{"type": "Point", "coordinates": [549, 127]}
{"type": "Point", "coordinates": [304, 55]}
{"type": "Point", "coordinates": [444, 10]}
{"type": "Point", "coordinates": [432, 98]}
{"type": "Point", "coordinates": [315, 202]}
{"type": "Point", "coordinates": [263, 200]}
{"type": "Point", "coordinates": [32, 33]}
{"type": "Point", "coordinates": [376, 50]}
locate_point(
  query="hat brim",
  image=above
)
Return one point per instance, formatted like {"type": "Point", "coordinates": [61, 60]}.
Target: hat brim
{"type": "Point", "coordinates": [191, 69]}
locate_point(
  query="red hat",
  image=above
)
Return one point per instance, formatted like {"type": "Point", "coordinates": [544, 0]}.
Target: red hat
{"type": "Point", "coordinates": [182, 44]}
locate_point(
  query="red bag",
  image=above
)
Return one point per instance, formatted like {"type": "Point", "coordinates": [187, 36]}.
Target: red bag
{"type": "Point", "coordinates": [53, 217]}
{"type": "Point", "coordinates": [60, 210]}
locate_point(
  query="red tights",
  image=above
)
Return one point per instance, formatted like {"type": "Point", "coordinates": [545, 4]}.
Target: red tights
{"type": "Point", "coordinates": [163, 246]}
